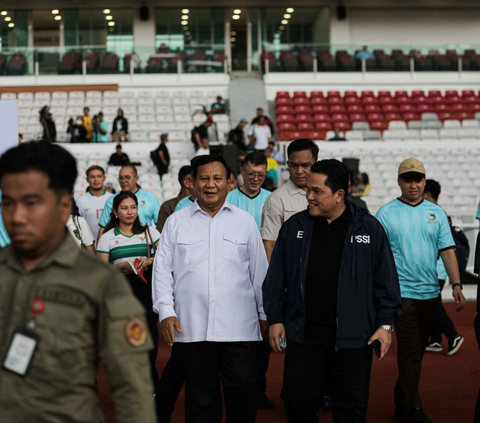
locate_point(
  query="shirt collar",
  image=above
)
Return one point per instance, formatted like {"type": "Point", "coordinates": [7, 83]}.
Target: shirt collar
{"type": "Point", "coordinates": [194, 208]}
{"type": "Point", "coordinates": [65, 254]}
{"type": "Point", "coordinates": [294, 189]}
{"type": "Point", "coordinates": [347, 215]}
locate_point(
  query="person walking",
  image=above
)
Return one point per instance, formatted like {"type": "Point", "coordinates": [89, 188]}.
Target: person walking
{"type": "Point", "coordinates": [418, 232]}
{"type": "Point", "coordinates": [331, 292]}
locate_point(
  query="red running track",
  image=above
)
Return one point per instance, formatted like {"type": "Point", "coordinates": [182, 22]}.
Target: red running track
{"type": "Point", "coordinates": [448, 387]}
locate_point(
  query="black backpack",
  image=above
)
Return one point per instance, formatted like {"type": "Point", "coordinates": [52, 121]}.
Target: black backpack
{"type": "Point", "coordinates": [462, 250]}
{"type": "Point", "coordinates": [154, 156]}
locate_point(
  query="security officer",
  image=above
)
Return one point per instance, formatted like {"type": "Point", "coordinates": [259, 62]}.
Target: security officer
{"type": "Point", "coordinates": [62, 309]}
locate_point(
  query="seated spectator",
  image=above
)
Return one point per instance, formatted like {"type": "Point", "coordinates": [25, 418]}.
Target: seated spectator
{"type": "Point", "coordinates": [268, 121]}
{"type": "Point", "coordinates": [276, 154]}
{"type": "Point", "coordinates": [338, 135]}
{"type": "Point", "coordinates": [237, 136]}
{"type": "Point", "coordinates": [20, 138]}
{"type": "Point", "coordinates": [88, 124]}
{"type": "Point", "coordinates": [364, 54]}
{"type": "Point", "coordinates": [119, 158]}
{"type": "Point", "coordinates": [219, 107]}
{"type": "Point", "coordinates": [100, 129]}
{"type": "Point", "coordinates": [200, 133]}
{"type": "Point", "coordinates": [205, 150]}
{"type": "Point", "coordinates": [109, 188]}
{"type": "Point", "coordinates": [76, 130]}
{"type": "Point", "coordinates": [212, 130]}
{"type": "Point", "coordinates": [162, 157]}
{"type": "Point", "coordinates": [119, 128]}
{"type": "Point", "coordinates": [259, 135]}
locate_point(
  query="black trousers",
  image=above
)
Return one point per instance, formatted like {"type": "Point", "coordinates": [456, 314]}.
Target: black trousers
{"type": "Point", "coordinates": [144, 293]}
{"type": "Point", "coordinates": [170, 385]}
{"type": "Point", "coordinates": [413, 329]}
{"type": "Point", "coordinates": [208, 363]}
{"type": "Point", "coordinates": [305, 368]}
{"type": "Point", "coordinates": [442, 325]}
{"type": "Point", "coordinates": [263, 359]}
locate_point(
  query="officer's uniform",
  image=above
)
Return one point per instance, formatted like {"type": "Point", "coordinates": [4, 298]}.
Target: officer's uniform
{"type": "Point", "coordinates": [85, 312]}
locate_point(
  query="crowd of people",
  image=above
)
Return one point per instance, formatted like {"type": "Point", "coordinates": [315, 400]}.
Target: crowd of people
{"type": "Point", "coordinates": [225, 274]}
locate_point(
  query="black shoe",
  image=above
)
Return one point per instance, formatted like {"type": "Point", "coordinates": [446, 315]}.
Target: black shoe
{"type": "Point", "coordinates": [263, 402]}
{"type": "Point", "coordinates": [434, 346]}
{"type": "Point", "coordinates": [455, 345]}
{"type": "Point", "coordinates": [326, 402]}
{"type": "Point", "coordinates": [401, 413]}
{"type": "Point", "coordinates": [418, 416]}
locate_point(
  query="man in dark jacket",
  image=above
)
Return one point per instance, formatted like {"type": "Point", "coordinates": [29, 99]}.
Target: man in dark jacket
{"type": "Point", "coordinates": [331, 290]}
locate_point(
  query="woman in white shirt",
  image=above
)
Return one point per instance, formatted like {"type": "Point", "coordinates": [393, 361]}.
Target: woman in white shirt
{"type": "Point", "coordinates": [125, 240]}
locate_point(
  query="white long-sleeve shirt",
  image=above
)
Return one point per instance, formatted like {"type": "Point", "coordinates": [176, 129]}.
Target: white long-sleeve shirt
{"type": "Point", "coordinates": [209, 272]}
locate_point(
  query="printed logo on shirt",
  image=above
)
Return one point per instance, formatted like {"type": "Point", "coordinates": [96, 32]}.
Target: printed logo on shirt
{"type": "Point", "coordinates": [141, 204]}
{"type": "Point", "coordinates": [300, 234]}
{"type": "Point", "coordinates": [360, 239]}
{"type": "Point", "coordinates": [431, 218]}
{"type": "Point", "coordinates": [141, 238]}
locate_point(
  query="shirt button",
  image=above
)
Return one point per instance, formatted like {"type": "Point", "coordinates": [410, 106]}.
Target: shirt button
{"type": "Point", "coordinates": [211, 301]}
{"type": "Point", "coordinates": [211, 267]}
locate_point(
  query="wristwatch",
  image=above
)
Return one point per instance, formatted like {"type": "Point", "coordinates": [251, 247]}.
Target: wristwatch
{"type": "Point", "coordinates": [457, 284]}
{"type": "Point", "coordinates": [388, 328]}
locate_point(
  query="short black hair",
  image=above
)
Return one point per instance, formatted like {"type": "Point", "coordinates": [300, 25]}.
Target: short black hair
{"type": "Point", "coordinates": [207, 159]}
{"type": "Point", "coordinates": [43, 156]}
{"type": "Point", "coordinates": [95, 167]}
{"type": "Point", "coordinates": [118, 146]}
{"type": "Point", "coordinates": [303, 144]}
{"type": "Point", "coordinates": [255, 158]}
{"type": "Point", "coordinates": [433, 187]}
{"type": "Point", "coordinates": [184, 171]}
{"type": "Point", "coordinates": [336, 173]}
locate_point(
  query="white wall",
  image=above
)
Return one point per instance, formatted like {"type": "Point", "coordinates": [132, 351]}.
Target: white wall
{"type": "Point", "coordinates": [414, 26]}
{"type": "Point", "coordinates": [144, 31]}
{"type": "Point", "coordinates": [8, 123]}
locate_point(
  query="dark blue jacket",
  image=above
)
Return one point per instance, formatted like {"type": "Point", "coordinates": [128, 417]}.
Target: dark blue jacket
{"type": "Point", "coordinates": [368, 287]}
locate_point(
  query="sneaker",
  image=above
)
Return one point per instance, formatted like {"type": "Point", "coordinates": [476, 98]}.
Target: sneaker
{"type": "Point", "coordinates": [418, 416]}
{"type": "Point", "coordinates": [434, 347]}
{"type": "Point", "coordinates": [455, 345]}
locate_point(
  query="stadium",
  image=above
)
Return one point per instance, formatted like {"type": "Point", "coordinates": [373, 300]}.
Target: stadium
{"type": "Point", "coordinates": [394, 79]}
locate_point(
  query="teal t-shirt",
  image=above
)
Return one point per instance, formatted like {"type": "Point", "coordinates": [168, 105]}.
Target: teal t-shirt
{"type": "Point", "coordinates": [4, 238]}
{"type": "Point", "coordinates": [441, 271]}
{"type": "Point", "coordinates": [417, 234]}
{"type": "Point", "coordinates": [99, 137]}
{"type": "Point", "coordinates": [254, 205]}
{"type": "Point", "coordinates": [148, 208]}
{"type": "Point", "coordinates": [184, 202]}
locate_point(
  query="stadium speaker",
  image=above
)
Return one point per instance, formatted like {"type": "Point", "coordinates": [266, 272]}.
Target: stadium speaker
{"type": "Point", "coordinates": [352, 164]}
{"type": "Point", "coordinates": [229, 154]}
{"type": "Point", "coordinates": [341, 12]}
{"type": "Point", "coordinates": [144, 13]}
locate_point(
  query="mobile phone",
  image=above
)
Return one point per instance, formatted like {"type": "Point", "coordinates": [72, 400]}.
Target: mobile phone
{"type": "Point", "coordinates": [377, 346]}
{"type": "Point", "coordinates": [282, 345]}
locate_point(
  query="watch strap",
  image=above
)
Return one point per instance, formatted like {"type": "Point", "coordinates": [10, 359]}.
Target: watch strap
{"type": "Point", "coordinates": [457, 284]}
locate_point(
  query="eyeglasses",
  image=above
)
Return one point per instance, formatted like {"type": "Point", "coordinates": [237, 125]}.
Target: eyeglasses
{"type": "Point", "coordinates": [252, 175]}
{"type": "Point", "coordinates": [126, 178]}
{"type": "Point", "coordinates": [305, 166]}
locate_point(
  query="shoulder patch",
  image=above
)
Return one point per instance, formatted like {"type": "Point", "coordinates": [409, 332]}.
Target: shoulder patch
{"type": "Point", "coordinates": [136, 332]}
{"type": "Point", "coordinates": [61, 296]}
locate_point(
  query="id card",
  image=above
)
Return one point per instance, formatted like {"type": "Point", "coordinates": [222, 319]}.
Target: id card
{"type": "Point", "coordinates": [20, 352]}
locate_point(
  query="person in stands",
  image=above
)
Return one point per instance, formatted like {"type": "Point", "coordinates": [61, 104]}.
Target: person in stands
{"type": "Point", "coordinates": [219, 107]}
{"type": "Point", "coordinates": [100, 129]}
{"type": "Point", "coordinates": [120, 128]}
{"type": "Point", "coordinates": [268, 121]}
{"type": "Point", "coordinates": [119, 158]}
{"type": "Point", "coordinates": [199, 133]}
{"type": "Point", "coordinates": [87, 124]}
{"type": "Point", "coordinates": [259, 135]}
{"type": "Point", "coordinates": [163, 159]}
{"type": "Point", "coordinates": [337, 135]}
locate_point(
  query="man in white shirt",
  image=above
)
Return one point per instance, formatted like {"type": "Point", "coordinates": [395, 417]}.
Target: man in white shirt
{"type": "Point", "coordinates": [90, 206]}
{"type": "Point", "coordinates": [260, 134]}
{"type": "Point", "coordinates": [208, 273]}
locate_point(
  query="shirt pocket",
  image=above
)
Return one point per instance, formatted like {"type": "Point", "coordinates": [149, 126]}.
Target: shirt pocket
{"type": "Point", "coordinates": [191, 248]}
{"type": "Point", "coordinates": [234, 247]}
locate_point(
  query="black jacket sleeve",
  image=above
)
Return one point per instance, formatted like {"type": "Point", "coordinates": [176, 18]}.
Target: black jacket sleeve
{"type": "Point", "coordinates": [386, 290]}
{"type": "Point", "coordinates": [125, 125]}
{"type": "Point", "coordinates": [274, 286]}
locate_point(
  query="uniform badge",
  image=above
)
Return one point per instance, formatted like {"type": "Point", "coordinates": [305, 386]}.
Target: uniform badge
{"type": "Point", "coordinates": [141, 238]}
{"type": "Point", "coordinates": [136, 332]}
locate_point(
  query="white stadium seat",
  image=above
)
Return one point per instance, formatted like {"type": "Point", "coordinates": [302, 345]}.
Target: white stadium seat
{"type": "Point", "coordinates": [8, 96]}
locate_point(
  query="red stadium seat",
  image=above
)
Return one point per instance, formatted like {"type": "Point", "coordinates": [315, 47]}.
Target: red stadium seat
{"type": "Point", "coordinates": [456, 100]}
{"type": "Point", "coordinates": [284, 110]}
{"type": "Point", "coordinates": [473, 107]}
{"type": "Point", "coordinates": [305, 126]}
{"type": "Point", "coordinates": [451, 93]}
{"type": "Point", "coordinates": [304, 118]}
{"type": "Point", "coordinates": [384, 94]}
{"type": "Point", "coordinates": [417, 93]}
{"type": "Point", "coordinates": [434, 93]}
{"type": "Point", "coordinates": [468, 93]}
{"type": "Point", "coordinates": [425, 108]}
{"type": "Point", "coordinates": [285, 118]}
{"type": "Point", "coordinates": [436, 99]}
{"type": "Point", "coordinates": [340, 117]}
{"type": "Point", "coordinates": [335, 100]}
{"type": "Point", "coordinates": [357, 117]}
{"type": "Point", "coordinates": [331, 94]}
{"type": "Point", "coordinates": [404, 100]}
{"type": "Point", "coordinates": [323, 126]}
{"type": "Point", "coordinates": [302, 110]}
{"type": "Point", "coordinates": [372, 108]}
{"type": "Point", "coordinates": [369, 100]}
{"type": "Point", "coordinates": [320, 109]}
{"type": "Point", "coordinates": [407, 117]}
{"type": "Point", "coordinates": [321, 117]}
{"type": "Point", "coordinates": [289, 136]}
{"type": "Point", "coordinates": [318, 100]}
{"type": "Point", "coordinates": [392, 116]}
{"type": "Point", "coordinates": [301, 101]}
{"type": "Point", "coordinates": [317, 94]}
{"type": "Point", "coordinates": [367, 94]}
{"type": "Point", "coordinates": [299, 94]}
{"type": "Point", "coordinates": [421, 100]}
{"type": "Point", "coordinates": [441, 107]}
{"type": "Point", "coordinates": [320, 135]}
{"type": "Point", "coordinates": [352, 100]}
{"type": "Point", "coordinates": [283, 101]}
{"type": "Point", "coordinates": [465, 115]}
{"type": "Point", "coordinates": [343, 126]}
{"type": "Point", "coordinates": [389, 108]}
{"type": "Point", "coordinates": [378, 126]}
{"type": "Point", "coordinates": [386, 100]}
{"type": "Point", "coordinates": [286, 127]}
{"type": "Point", "coordinates": [283, 94]}
{"type": "Point", "coordinates": [338, 108]}
{"type": "Point", "coordinates": [401, 94]}
{"type": "Point", "coordinates": [373, 117]}
{"type": "Point", "coordinates": [445, 116]}
{"type": "Point", "coordinates": [458, 107]}
{"type": "Point", "coordinates": [471, 99]}
{"type": "Point", "coordinates": [309, 134]}
{"type": "Point", "coordinates": [350, 94]}
{"type": "Point", "coordinates": [354, 108]}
